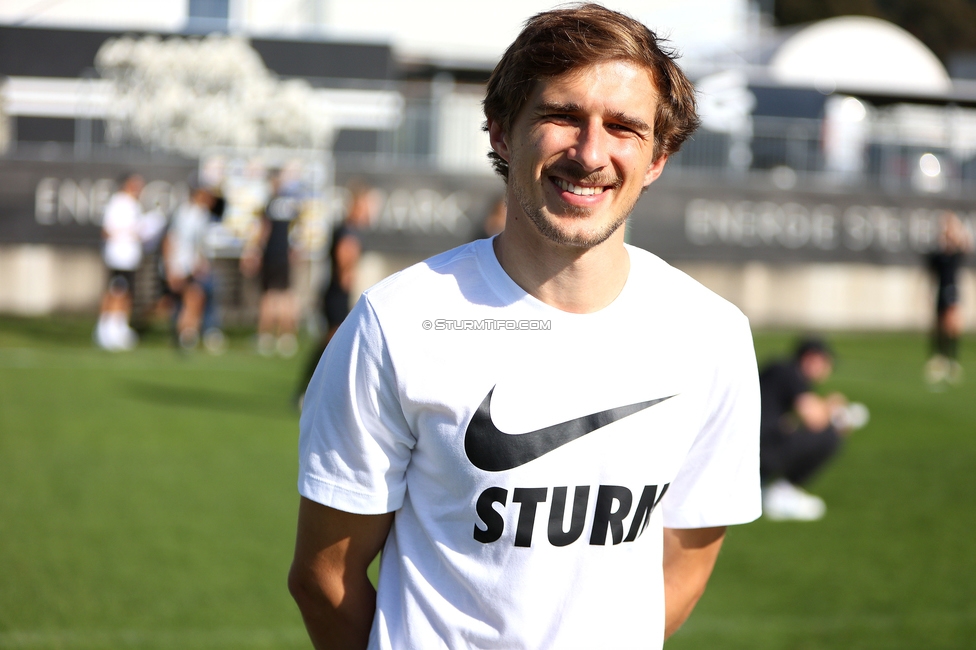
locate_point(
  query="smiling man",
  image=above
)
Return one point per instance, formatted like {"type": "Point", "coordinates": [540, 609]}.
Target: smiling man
{"type": "Point", "coordinates": [545, 432]}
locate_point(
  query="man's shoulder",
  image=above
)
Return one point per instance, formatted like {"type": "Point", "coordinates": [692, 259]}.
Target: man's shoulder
{"type": "Point", "coordinates": [679, 290]}
{"type": "Point", "coordinates": [434, 279]}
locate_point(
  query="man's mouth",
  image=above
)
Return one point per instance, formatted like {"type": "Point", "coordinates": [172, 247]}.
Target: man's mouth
{"type": "Point", "coordinates": [566, 186]}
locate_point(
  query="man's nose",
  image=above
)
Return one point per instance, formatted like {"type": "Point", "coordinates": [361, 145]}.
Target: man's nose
{"type": "Point", "coordinates": [592, 147]}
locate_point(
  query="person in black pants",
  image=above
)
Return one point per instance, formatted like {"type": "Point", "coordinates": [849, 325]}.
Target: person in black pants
{"type": "Point", "coordinates": [344, 253]}
{"type": "Point", "coordinates": [271, 254]}
{"type": "Point", "coordinates": [800, 431]}
{"type": "Point", "coordinates": [944, 262]}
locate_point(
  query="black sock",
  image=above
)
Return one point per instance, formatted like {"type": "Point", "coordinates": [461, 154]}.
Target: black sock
{"type": "Point", "coordinates": [951, 345]}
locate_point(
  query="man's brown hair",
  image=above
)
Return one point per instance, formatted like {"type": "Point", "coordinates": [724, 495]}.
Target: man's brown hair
{"type": "Point", "coordinates": [558, 41]}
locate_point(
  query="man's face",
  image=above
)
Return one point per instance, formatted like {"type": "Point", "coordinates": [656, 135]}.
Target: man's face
{"type": "Point", "coordinates": [816, 366]}
{"type": "Point", "coordinates": [581, 151]}
{"type": "Point", "coordinates": [133, 186]}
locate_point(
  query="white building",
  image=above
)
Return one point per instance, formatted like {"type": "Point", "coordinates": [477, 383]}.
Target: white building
{"type": "Point", "coordinates": [420, 29]}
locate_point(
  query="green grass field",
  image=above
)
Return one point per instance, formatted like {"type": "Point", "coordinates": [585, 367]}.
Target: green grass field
{"type": "Point", "coordinates": [147, 500]}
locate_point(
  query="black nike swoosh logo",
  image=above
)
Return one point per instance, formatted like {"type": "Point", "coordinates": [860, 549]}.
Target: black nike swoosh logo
{"type": "Point", "coordinates": [492, 450]}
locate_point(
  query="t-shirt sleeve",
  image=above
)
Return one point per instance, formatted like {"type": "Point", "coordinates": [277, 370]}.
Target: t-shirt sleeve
{"type": "Point", "coordinates": [718, 484]}
{"type": "Point", "coordinates": [355, 443]}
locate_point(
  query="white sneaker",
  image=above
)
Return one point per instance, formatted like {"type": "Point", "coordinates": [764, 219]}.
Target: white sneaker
{"type": "Point", "coordinates": [214, 341]}
{"type": "Point", "coordinates": [287, 345]}
{"type": "Point", "coordinates": [266, 344]}
{"type": "Point", "coordinates": [783, 501]}
{"type": "Point", "coordinates": [128, 338]}
{"type": "Point", "coordinates": [114, 334]}
{"type": "Point", "coordinates": [102, 334]}
{"type": "Point", "coordinates": [936, 370]}
{"type": "Point", "coordinates": [189, 338]}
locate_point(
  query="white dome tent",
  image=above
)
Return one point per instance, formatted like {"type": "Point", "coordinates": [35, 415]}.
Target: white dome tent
{"type": "Point", "coordinates": [861, 55]}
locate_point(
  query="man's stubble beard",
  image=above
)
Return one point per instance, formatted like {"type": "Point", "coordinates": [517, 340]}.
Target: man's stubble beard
{"type": "Point", "coordinates": [548, 229]}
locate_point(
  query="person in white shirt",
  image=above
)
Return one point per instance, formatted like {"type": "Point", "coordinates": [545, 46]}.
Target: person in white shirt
{"type": "Point", "coordinates": [187, 268]}
{"type": "Point", "coordinates": [546, 432]}
{"type": "Point", "coordinates": [122, 230]}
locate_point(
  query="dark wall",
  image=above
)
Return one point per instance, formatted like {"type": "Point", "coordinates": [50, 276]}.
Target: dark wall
{"type": "Point", "coordinates": [321, 59]}
{"type": "Point", "coordinates": [788, 102]}
{"type": "Point", "coordinates": [37, 52]}
{"type": "Point", "coordinates": [356, 141]}
{"type": "Point", "coordinates": [44, 129]}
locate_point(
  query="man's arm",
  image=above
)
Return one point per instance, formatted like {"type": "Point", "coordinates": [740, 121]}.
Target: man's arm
{"type": "Point", "coordinates": [173, 280]}
{"type": "Point", "coordinates": [818, 413]}
{"type": "Point", "coordinates": [689, 557]}
{"type": "Point", "coordinates": [328, 574]}
{"type": "Point", "coordinates": [250, 262]}
{"type": "Point", "coordinates": [813, 410]}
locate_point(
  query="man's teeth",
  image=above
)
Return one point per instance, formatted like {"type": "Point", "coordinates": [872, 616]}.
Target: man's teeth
{"type": "Point", "coordinates": [579, 191]}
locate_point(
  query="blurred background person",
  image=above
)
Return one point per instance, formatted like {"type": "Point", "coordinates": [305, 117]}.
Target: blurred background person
{"type": "Point", "coordinates": [122, 231]}
{"type": "Point", "coordinates": [800, 430]}
{"type": "Point", "coordinates": [270, 254]}
{"type": "Point", "coordinates": [345, 250]}
{"type": "Point", "coordinates": [213, 336]}
{"type": "Point", "coordinates": [955, 242]}
{"type": "Point", "coordinates": [153, 227]}
{"type": "Point", "coordinates": [189, 274]}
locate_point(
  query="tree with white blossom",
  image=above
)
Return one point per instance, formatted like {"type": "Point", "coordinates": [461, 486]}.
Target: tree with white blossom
{"type": "Point", "coordinates": [187, 94]}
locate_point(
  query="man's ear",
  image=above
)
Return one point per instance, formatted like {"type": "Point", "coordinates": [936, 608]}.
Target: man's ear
{"type": "Point", "coordinates": [498, 139]}
{"type": "Point", "coordinates": [654, 170]}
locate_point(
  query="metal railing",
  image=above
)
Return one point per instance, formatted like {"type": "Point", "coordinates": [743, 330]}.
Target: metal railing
{"type": "Point", "coordinates": [440, 130]}
{"type": "Point", "coordinates": [793, 152]}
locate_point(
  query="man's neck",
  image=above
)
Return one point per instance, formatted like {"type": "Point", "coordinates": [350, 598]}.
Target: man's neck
{"type": "Point", "coordinates": [575, 280]}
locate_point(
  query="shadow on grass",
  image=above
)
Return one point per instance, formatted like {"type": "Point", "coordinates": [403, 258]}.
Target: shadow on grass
{"type": "Point", "coordinates": [70, 330]}
{"type": "Point", "coordinates": [75, 330]}
{"type": "Point", "coordinates": [269, 405]}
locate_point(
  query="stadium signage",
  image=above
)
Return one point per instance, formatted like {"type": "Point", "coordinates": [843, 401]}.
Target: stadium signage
{"type": "Point", "coordinates": [825, 226]}
{"type": "Point", "coordinates": [66, 200]}
{"type": "Point", "coordinates": [684, 217]}
{"type": "Point", "coordinates": [424, 210]}
{"type": "Point", "coordinates": [62, 202]}
{"type": "Point", "coordinates": [692, 218]}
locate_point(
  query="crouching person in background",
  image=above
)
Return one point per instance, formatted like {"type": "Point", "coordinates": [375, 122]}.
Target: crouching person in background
{"type": "Point", "coordinates": [801, 431]}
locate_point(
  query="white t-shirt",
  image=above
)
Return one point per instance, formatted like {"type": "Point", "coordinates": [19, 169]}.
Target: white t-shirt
{"type": "Point", "coordinates": [549, 539]}
{"type": "Point", "coordinates": [121, 223]}
{"type": "Point", "coordinates": [187, 239]}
